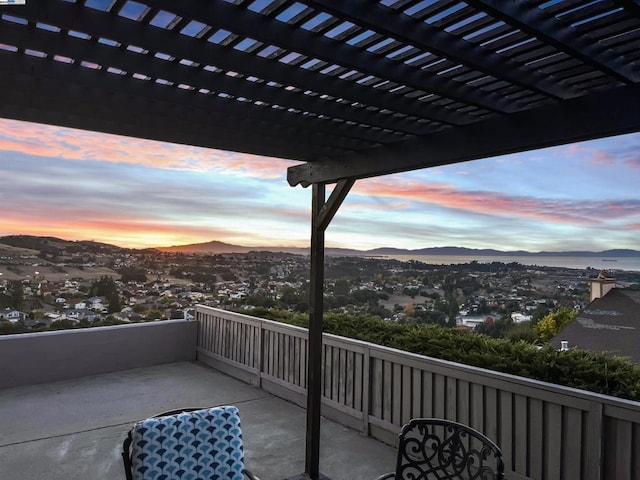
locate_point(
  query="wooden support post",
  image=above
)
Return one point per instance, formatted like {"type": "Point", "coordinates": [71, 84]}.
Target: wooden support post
{"type": "Point", "coordinates": [314, 359]}
{"type": "Point", "coordinates": [322, 211]}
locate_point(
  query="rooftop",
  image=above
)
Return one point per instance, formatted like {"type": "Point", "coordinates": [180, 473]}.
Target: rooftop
{"type": "Point", "coordinates": [73, 429]}
{"type": "Point", "coordinates": [609, 324]}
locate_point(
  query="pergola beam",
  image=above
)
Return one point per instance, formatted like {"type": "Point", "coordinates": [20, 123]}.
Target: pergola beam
{"type": "Point", "coordinates": [142, 114]}
{"type": "Point", "coordinates": [66, 85]}
{"type": "Point", "coordinates": [575, 120]}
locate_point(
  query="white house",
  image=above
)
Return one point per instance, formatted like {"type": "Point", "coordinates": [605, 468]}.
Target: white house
{"type": "Point", "coordinates": [520, 317]}
{"type": "Point", "coordinates": [75, 315]}
{"type": "Point", "coordinates": [12, 316]}
{"type": "Point", "coordinates": [97, 304]}
{"type": "Point", "coordinates": [471, 321]}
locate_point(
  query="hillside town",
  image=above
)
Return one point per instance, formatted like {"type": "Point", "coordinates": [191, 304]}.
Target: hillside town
{"type": "Point", "coordinates": [73, 284]}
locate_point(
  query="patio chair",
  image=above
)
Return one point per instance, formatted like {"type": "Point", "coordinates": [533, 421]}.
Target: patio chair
{"type": "Point", "coordinates": [187, 443]}
{"type": "Point", "coordinates": [436, 449]}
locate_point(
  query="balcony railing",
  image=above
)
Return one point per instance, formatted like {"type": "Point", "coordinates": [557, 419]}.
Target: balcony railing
{"type": "Point", "coordinates": [546, 431]}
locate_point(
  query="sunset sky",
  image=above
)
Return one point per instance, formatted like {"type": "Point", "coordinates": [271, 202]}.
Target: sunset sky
{"type": "Point", "coordinates": [81, 185]}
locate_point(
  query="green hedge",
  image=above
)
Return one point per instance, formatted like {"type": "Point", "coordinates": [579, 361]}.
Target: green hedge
{"type": "Point", "coordinates": [582, 369]}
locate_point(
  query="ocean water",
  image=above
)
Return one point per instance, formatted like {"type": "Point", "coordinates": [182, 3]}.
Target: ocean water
{"type": "Point", "coordinates": [612, 264]}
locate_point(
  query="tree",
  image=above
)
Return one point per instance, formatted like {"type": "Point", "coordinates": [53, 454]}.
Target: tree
{"type": "Point", "coordinates": [260, 301]}
{"type": "Point", "coordinates": [16, 293]}
{"type": "Point", "coordinates": [495, 328]}
{"type": "Point", "coordinates": [450, 308]}
{"type": "Point", "coordinates": [379, 311]}
{"type": "Point", "coordinates": [341, 287]}
{"type": "Point", "coordinates": [8, 328]}
{"type": "Point", "coordinates": [153, 314]}
{"type": "Point", "coordinates": [483, 307]}
{"type": "Point", "coordinates": [290, 296]}
{"type": "Point", "coordinates": [114, 302]}
{"type": "Point", "coordinates": [132, 274]}
{"type": "Point", "coordinates": [521, 332]}
{"type": "Point", "coordinates": [64, 324]}
{"type": "Point", "coordinates": [551, 324]}
{"type": "Point", "coordinates": [106, 287]}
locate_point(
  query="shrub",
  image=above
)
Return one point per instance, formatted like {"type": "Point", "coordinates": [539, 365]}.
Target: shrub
{"type": "Point", "coordinates": [551, 324]}
{"type": "Point", "coordinates": [596, 372]}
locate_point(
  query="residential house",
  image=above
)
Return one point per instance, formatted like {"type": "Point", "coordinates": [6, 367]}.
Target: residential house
{"type": "Point", "coordinates": [13, 316]}
{"type": "Point", "coordinates": [610, 323]}
{"type": "Point", "coordinates": [98, 304]}
{"type": "Point", "coordinates": [520, 317]}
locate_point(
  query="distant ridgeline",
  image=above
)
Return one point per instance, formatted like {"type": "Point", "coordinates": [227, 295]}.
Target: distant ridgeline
{"type": "Point", "coordinates": [55, 245]}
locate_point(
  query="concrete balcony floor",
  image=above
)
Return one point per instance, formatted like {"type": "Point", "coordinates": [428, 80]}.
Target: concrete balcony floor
{"type": "Point", "coordinates": [74, 429]}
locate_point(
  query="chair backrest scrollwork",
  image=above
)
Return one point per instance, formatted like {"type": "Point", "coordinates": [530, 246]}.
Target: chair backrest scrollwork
{"type": "Point", "coordinates": [441, 449]}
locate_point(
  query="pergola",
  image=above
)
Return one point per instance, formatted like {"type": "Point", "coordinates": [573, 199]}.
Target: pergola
{"type": "Point", "coordinates": [350, 88]}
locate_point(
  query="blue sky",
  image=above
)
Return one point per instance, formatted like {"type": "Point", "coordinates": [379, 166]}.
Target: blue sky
{"type": "Point", "coordinates": [82, 185]}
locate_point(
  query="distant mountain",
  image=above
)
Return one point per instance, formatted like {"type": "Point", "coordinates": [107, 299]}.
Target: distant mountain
{"type": "Point", "coordinates": [55, 245]}
{"type": "Point", "coordinates": [441, 251]}
{"type": "Point", "coordinates": [488, 252]}
{"type": "Point", "coordinates": [216, 247]}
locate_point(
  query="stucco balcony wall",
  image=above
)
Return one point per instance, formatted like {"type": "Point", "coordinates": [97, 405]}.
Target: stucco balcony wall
{"type": "Point", "coordinates": [33, 358]}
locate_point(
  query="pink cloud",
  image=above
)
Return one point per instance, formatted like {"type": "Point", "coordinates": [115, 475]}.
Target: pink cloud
{"type": "Point", "coordinates": [498, 204]}
{"type": "Point", "coordinates": [621, 149]}
{"type": "Point", "coordinates": [71, 144]}
{"type": "Point", "coordinates": [590, 153]}
{"type": "Point", "coordinates": [381, 205]}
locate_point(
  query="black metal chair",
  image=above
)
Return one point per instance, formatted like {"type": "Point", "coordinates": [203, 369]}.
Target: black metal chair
{"type": "Point", "coordinates": [436, 449]}
{"type": "Point", "coordinates": [186, 443]}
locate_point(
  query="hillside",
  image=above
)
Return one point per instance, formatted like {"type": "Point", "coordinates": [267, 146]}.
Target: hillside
{"type": "Point", "coordinates": [31, 244]}
{"type": "Point", "coordinates": [11, 251]}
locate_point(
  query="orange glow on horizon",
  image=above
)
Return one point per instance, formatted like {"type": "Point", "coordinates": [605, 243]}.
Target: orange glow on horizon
{"type": "Point", "coordinates": [131, 234]}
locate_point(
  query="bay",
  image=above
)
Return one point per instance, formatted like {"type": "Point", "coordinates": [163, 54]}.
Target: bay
{"type": "Point", "coordinates": [612, 264]}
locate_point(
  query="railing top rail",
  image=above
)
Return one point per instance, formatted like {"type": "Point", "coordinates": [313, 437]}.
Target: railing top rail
{"type": "Point", "coordinates": [241, 317]}
{"type": "Point", "coordinates": [248, 319]}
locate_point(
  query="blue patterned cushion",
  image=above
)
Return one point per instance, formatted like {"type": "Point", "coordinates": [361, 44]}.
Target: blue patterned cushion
{"type": "Point", "coordinates": [203, 444]}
